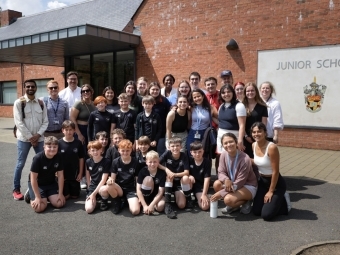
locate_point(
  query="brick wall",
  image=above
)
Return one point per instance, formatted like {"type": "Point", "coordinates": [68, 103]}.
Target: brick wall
{"type": "Point", "coordinates": [313, 139]}
{"type": "Point", "coordinates": [19, 73]}
{"type": "Point", "coordinates": [179, 37]}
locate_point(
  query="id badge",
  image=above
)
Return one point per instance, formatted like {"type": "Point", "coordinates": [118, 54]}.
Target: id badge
{"type": "Point", "coordinates": [197, 135]}
{"type": "Point", "coordinates": [56, 122]}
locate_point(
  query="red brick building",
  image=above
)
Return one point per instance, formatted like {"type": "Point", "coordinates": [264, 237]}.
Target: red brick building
{"type": "Point", "coordinates": [179, 37]}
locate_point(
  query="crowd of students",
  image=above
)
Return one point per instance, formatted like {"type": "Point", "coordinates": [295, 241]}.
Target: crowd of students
{"type": "Point", "coordinates": [156, 150]}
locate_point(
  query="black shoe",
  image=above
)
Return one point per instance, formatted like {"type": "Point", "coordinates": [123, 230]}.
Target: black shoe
{"type": "Point", "coordinates": [189, 205]}
{"type": "Point", "coordinates": [104, 205]}
{"type": "Point", "coordinates": [27, 197]}
{"type": "Point", "coordinates": [116, 205]}
{"type": "Point", "coordinates": [170, 213]}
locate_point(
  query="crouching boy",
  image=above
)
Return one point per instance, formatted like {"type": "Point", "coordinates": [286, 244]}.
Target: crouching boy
{"type": "Point", "coordinates": [122, 184]}
{"type": "Point", "coordinates": [42, 184]}
{"type": "Point", "coordinates": [200, 173]}
{"type": "Point", "coordinates": [97, 172]}
{"type": "Point", "coordinates": [150, 185]}
{"type": "Point", "coordinates": [177, 177]}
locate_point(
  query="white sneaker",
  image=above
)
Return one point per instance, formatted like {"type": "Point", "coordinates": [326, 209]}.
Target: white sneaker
{"type": "Point", "coordinates": [83, 183]}
{"type": "Point", "coordinates": [246, 208]}
{"type": "Point", "coordinates": [229, 210]}
{"type": "Point", "coordinates": [289, 204]}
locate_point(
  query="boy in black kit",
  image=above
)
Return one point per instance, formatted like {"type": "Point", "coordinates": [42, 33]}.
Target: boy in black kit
{"type": "Point", "coordinates": [125, 117]}
{"type": "Point", "coordinates": [103, 138]}
{"type": "Point", "coordinates": [117, 135]}
{"type": "Point", "coordinates": [150, 185]}
{"type": "Point", "coordinates": [72, 153]}
{"type": "Point", "coordinates": [122, 182]}
{"type": "Point", "coordinates": [42, 184]}
{"type": "Point", "coordinates": [100, 119]}
{"type": "Point", "coordinates": [177, 177]}
{"type": "Point", "coordinates": [97, 172]}
{"type": "Point", "coordinates": [143, 148]}
{"type": "Point", "coordinates": [148, 123]}
{"type": "Point", "coordinates": [200, 173]}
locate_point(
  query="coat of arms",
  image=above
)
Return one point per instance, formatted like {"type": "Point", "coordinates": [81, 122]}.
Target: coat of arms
{"type": "Point", "coordinates": [314, 95]}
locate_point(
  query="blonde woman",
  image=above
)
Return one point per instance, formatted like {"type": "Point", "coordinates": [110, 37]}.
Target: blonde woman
{"type": "Point", "coordinates": [256, 112]}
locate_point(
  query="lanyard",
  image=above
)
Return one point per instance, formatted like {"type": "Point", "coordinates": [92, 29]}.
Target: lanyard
{"type": "Point", "coordinates": [199, 117]}
{"type": "Point", "coordinates": [55, 109]}
{"type": "Point", "coordinates": [232, 172]}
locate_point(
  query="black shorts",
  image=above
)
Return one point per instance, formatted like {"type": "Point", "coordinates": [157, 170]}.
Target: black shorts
{"type": "Point", "coordinates": [129, 192]}
{"type": "Point", "coordinates": [45, 190]}
{"type": "Point", "coordinates": [149, 199]}
{"type": "Point", "coordinates": [176, 186]}
{"type": "Point", "coordinates": [90, 190]}
{"type": "Point", "coordinates": [197, 188]}
{"type": "Point", "coordinates": [72, 188]}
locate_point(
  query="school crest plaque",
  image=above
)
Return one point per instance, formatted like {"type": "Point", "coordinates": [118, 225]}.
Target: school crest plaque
{"type": "Point", "coordinates": [314, 96]}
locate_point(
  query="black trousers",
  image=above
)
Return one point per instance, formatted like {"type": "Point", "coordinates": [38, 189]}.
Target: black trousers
{"type": "Point", "coordinates": [277, 205]}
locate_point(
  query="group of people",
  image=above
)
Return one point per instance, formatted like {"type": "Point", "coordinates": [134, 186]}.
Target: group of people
{"type": "Point", "coordinates": [146, 144]}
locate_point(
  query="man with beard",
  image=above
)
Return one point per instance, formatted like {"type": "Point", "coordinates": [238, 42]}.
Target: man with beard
{"type": "Point", "coordinates": [30, 117]}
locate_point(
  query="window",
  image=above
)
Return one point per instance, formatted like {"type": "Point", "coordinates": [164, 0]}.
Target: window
{"type": "Point", "coordinates": [41, 87]}
{"type": "Point", "coordinates": [8, 92]}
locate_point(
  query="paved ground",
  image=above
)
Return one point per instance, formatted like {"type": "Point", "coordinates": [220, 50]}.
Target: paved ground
{"type": "Point", "coordinates": [313, 182]}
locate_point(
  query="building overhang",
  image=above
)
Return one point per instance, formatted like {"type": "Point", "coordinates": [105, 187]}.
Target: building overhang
{"type": "Point", "coordinates": [50, 48]}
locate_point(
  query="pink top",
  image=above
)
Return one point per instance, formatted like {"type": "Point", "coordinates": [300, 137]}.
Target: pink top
{"type": "Point", "coordinates": [244, 174]}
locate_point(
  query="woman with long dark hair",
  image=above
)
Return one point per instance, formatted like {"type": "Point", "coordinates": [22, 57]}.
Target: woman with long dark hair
{"type": "Point", "coordinates": [202, 115]}
{"type": "Point", "coordinates": [162, 107]}
{"type": "Point", "coordinates": [231, 117]}
{"type": "Point", "coordinates": [80, 113]}
{"type": "Point", "coordinates": [177, 122]}
{"type": "Point", "coordinates": [271, 198]}
{"type": "Point", "coordinates": [136, 101]}
{"type": "Point", "coordinates": [111, 98]}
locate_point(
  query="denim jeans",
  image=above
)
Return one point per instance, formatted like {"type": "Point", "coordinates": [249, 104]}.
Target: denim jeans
{"type": "Point", "coordinates": [23, 150]}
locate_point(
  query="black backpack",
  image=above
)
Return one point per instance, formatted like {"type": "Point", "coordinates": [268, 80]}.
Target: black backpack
{"type": "Point", "coordinates": [23, 104]}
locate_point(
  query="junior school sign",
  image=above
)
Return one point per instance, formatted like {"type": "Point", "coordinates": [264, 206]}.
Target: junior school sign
{"type": "Point", "coordinates": [307, 83]}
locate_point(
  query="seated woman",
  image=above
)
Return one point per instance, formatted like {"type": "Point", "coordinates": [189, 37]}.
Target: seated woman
{"type": "Point", "coordinates": [270, 199]}
{"type": "Point", "coordinates": [236, 182]}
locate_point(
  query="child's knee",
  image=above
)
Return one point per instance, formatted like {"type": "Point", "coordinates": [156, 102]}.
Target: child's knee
{"type": "Point", "coordinates": [217, 185]}
{"type": "Point", "coordinates": [89, 208]}
{"type": "Point", "coordinates": [40, 208]}
{"type": "Point", "coordinates": [204, 207]}
{"type": "Point", "coordinates": [228, 200]}
{"type": "Point", "coordinates": [185, 180]}
{"type": "Point", "coordinates": [135, 210]}
{"type": "Point", "coordinates": [148, 181]}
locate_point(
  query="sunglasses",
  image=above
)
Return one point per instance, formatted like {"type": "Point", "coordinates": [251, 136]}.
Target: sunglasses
{"type": "Point", "coordinates": [30, 87]}
{"type": "Point", "coordinates": [53, 88]}
{"type": "Point", "coordinates": [86, 91]}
